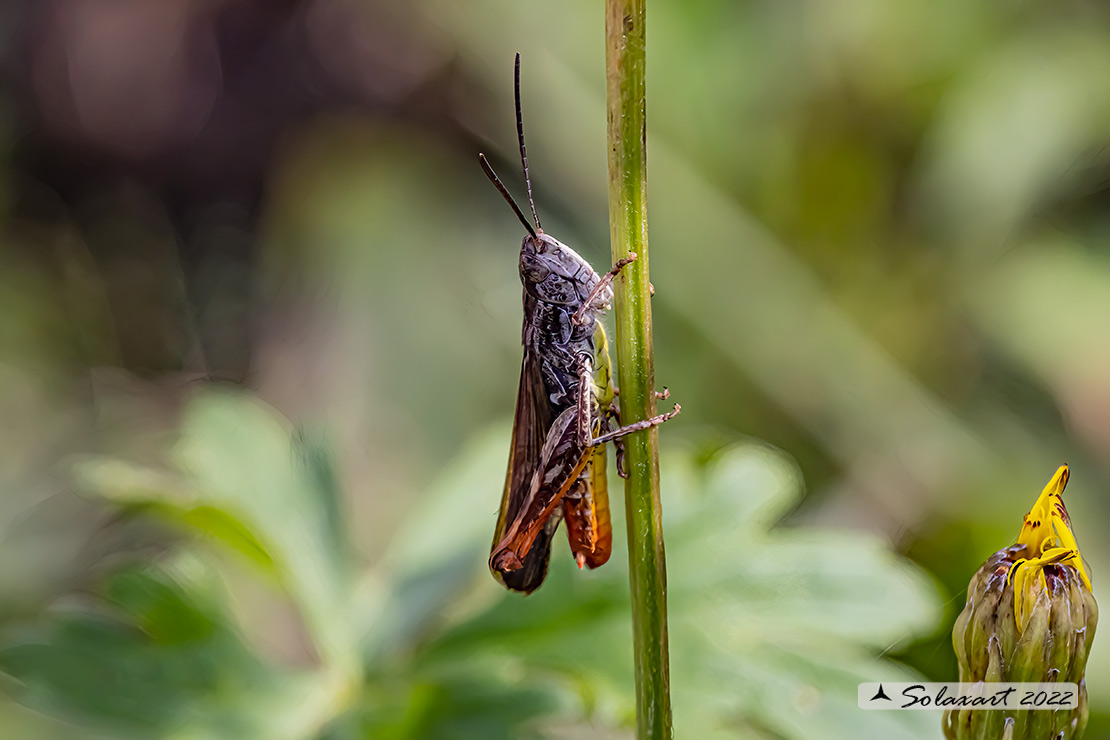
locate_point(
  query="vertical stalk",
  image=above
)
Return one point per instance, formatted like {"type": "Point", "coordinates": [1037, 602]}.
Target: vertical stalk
{"type": "Point", "coordinates": [624, 61]}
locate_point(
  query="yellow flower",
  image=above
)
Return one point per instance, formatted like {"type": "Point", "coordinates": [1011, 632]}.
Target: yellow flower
{"type": "Point", "coordinates": [1048, 539]}
{"type": "Point", "coordinates": [1030, 616]}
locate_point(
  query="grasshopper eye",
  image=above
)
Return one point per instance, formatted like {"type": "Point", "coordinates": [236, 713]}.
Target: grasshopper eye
{"type": "Point", "coordinates": [533, 270]}
{"type": "Point", "coordinates": [539, 244]}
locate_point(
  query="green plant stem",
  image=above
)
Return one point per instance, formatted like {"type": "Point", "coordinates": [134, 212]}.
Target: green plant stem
{"type": "Point", "coordinates": [624, 59]}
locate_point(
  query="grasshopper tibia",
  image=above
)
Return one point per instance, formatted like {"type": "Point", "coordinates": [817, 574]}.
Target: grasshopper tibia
{"type": "Point", "coordinates": [585, 407]}
{"type": "Point", "coordinates": [662, 395]}
{"type": "Point", "coordinates": [635, 427]}
{"type": "Point", "coordinates": [613, 412]}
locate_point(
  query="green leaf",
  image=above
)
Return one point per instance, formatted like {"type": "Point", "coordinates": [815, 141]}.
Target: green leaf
{"type": "Point", "coordinates": [772, 628]}
{"type": "Point", "coordinates": [775, 627]}
{"type": "Point", "coordinates": [435, 556]}
{"type": "Point", "coordinates": [245, 477]}
{"type": "Point", "coordinates": [152, 654]}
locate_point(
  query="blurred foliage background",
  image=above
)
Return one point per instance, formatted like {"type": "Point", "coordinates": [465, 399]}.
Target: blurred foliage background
{"type": "Point", "coordinates": [259, 338]}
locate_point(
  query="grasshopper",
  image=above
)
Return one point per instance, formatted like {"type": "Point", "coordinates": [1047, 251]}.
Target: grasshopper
{"type": "Point", "coordinates": [565, 408]}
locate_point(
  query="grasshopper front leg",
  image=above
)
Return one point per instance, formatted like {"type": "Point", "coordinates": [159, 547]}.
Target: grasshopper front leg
{"type": "Point", "coordinates": [606, 280]}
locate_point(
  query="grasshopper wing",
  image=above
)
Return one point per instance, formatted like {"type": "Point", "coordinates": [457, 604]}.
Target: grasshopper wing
{"type": "Point", "coordinates": [531, 422]}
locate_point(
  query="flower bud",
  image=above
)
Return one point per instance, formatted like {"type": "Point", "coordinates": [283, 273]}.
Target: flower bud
{"type": "Point", "coordinates": [1030, 617]}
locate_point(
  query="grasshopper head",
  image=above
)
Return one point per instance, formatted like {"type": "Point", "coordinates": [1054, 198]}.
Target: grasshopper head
{"type": "Point", "coordinates": [554, 273]}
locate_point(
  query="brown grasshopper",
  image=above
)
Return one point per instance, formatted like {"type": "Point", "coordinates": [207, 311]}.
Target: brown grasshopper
{"type": "Point", "coordinates": [564, 409]}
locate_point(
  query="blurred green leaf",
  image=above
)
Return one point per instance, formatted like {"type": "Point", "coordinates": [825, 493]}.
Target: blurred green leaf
{"type": "Point", "coordinates": [466, 701]}
{"type": "Point", "coordinates": [150, 658]}
{"type": "Point", "coordinates": [770, 627]}
{"type": "Point", "coordinates": [243, 476]}
{"type": "Point", "coordinates": [433, 558]}
{"type": "Point", "coordinates": [774, 627]}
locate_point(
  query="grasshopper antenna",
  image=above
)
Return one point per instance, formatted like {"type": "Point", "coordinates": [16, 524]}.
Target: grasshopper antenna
{"type": "Point", "coordinates": [523, 151]}
{"type": "Point", "coordinates": [505, 193]}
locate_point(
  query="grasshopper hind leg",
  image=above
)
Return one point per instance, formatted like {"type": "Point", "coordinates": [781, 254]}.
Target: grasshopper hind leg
{"type": "Point", "coordinates": [635, 427]}
{"type": "Point", "coordinates": [585, 409]}
{"type": "Point", "coordinates": [613, 412]}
